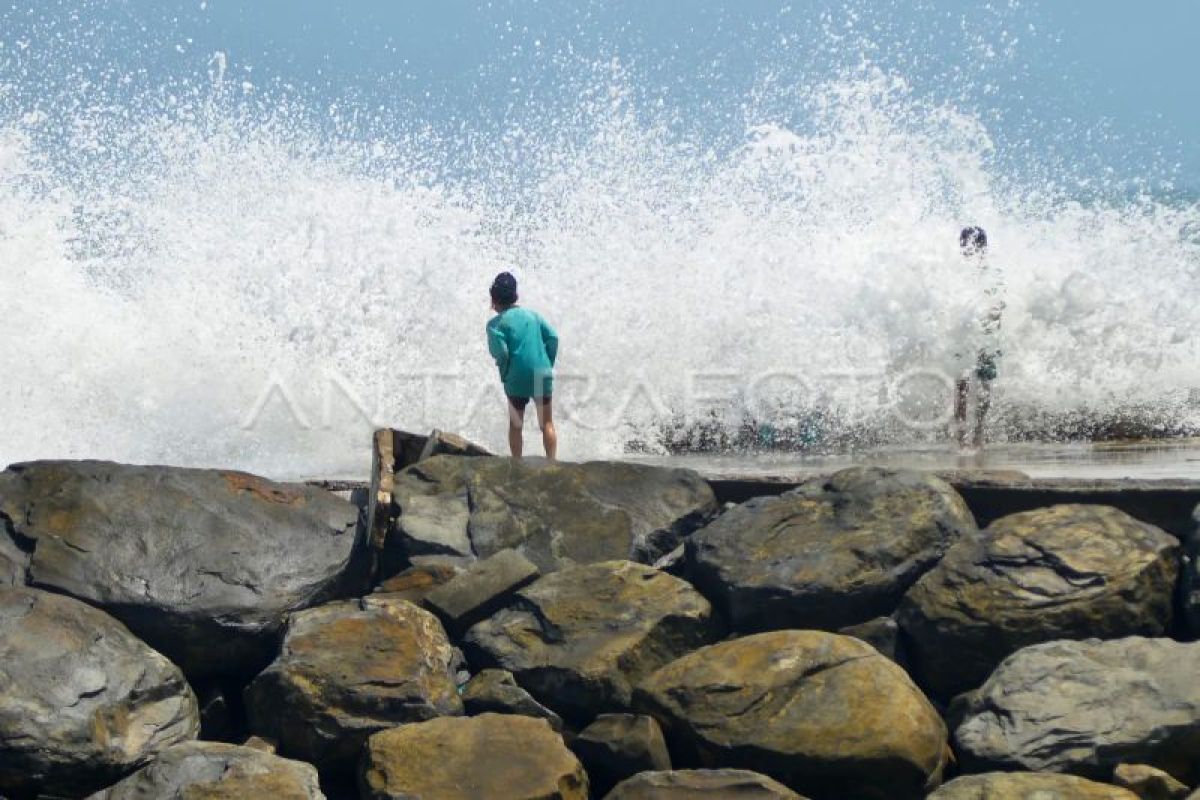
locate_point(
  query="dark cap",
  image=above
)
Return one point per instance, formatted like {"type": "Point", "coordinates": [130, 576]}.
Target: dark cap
{"type": "Point", "coordinates": [973, 239]}
{"type": "Point", "coordinates": [504, 289]}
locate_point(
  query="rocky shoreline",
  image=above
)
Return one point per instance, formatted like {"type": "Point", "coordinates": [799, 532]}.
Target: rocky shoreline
{"type": "Point", "coordinates": [475, 627]}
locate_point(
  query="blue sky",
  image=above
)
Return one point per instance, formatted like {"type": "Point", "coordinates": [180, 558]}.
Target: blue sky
{"type": "Point", "coordinates": [1125, 73]}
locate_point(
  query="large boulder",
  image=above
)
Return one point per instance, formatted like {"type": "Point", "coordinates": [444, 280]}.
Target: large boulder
{"type": "Point", "coordinates": [701, 784]}
{"type": "Point", "coordinates": [827, 715]}
{"type": "Point", "coordinates": [202, 565]}
{"type": "Point", "coordinates": [556, 514]}
{"type": "Point", "coordinates": [579, 639]}
{"type": "Point", "coordinates": [348, 669]}
{"type": "Point", "coordinates": [833, 552]}
{"type": "Point", "coordinates": [465, 758]}
{"type": "Point", "coordinates": [1084, 707]}
{"type": "Point", "coordinates": [217, 771]}
{"type": "Point", "coordinates": [13, 560]}
{"type": "Point", "coordinates": [82, 701]}
{"type": "Point", "coordinates": [1063, 572]}
{"type": "Point", "coordinates": [1028, 786]}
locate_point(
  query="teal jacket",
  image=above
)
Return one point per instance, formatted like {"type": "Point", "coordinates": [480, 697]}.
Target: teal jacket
{"type": "Point", "coordinates": [524, 346]}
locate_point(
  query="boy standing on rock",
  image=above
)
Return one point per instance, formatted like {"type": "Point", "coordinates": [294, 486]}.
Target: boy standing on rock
{"type": "Point", "coordinates": [525, 347]}
{"type": "Point", "coordinates": [981, 340]}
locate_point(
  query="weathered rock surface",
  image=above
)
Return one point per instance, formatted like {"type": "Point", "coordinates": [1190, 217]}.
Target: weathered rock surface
{"type": "Point", "coordinates": [466, 758]}
{"type": "Point", "coordinates": [481, 589]}
{"type": "Point", "coordinates": [579, 639]}
{"type": "Point", "coordinates": [1084, 707]}
{"type": "Point", "coordinates": [834, 552]}
{"type": "Point", "coordinates": [201, 564]}
{"type": "Point", "coordinates": [81, 700]}
{"type": "Point", "coordinates": [496, 691]}
{"type": "Point", "coordinates": [554, 513]}
{"type": "Point", "coordinates": [618, 746]}
{"type": "Point", "coordinates": [347, 670]}
{"type": "Point", "coordinates": [1149, 783]}
{"type": "Point", "coordinates": [827, 715]}
{"type": "Point", "coordinates": [1064, 572]}
{"type": "Point", "coordinates": [13, 560]}
{"type": "Point", "coordinates": [1027, 786]}
{"type": "Point", "coordinates": [701, 784]}
{"type": "Point", "coordinates": [415, 583]}
{"type": "Point", "coordinates": [218, 771]}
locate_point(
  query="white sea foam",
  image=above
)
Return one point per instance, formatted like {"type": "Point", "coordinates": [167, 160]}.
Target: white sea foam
{"type": "Point", "coordinates": [226, 282]}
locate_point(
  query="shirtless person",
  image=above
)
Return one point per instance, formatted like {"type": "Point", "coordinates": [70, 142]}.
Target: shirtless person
{"type": "Point", "coordinates": [983, 340]}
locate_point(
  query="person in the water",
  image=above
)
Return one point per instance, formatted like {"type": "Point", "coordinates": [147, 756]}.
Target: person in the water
{"type": "Point", "coordinates": [525, 348]}
{"type": "Point", "coordinates": [982, 345]}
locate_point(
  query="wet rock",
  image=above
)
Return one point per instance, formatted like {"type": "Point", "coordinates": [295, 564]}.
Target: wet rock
{"type": "Point", "coordinates": [701, 784]}
{"type": "Point", "coordinates": [1064, 572]}
{"type": "Point", "coordinates": [496, 691]}
{"type": "Point", "coordinates": [556, 514]}
{"type": "Point", "coordinates": [1149, 783]}
{"type": "Point", "coordinates": [466, 758]}
{"type": "Point", "coordinates": [618, 746]}
{"type": "Point", "coordinates": [217, 771]}
{"type": "Point", "coordinates": [579, 639]}
{"type": "Point", "coordinates": [481, 589]}
{"type": "Point", "coordinates": [200, 564]}
{"type": "Point", "coordinates": [834, 552]}
{"type": "Point", "coordinates": [81, 700]}
{"type": "Point", "coordinates": [882, 633]}
{"type": "Point", "coordinates": [349, 669]}
{"type": "Point", "coordinates": [416, 582]}
{"type": "Point", "coordinates": [827, 715]}
{"type": "Point", "coordinates": [1027, 786]}
{"type": "Point", "coordinates": [1084, 707]}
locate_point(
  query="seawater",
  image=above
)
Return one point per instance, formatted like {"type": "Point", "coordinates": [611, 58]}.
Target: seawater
{"type": "Point", "coordinates": [204, 271]}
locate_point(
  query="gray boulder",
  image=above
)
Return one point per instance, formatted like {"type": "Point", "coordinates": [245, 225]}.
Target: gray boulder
{"type": "Point", "coordinates": [200, 564]}
{"type": "Point", "coordinates": [495, 691]}
{"type": "Point", "coordinates": [834, 552]}
{"type": "Point", "coordinates": [1083, 707]}
{"type": "Point", "coordinates": [218, 771]}
{"type": "Point", "coordinates": [618, 746]}
{"type": "Point", "coordinates": [82, 701]}
{"type": "Point", "coordinates": [556, 514]}
{"type": "Point", "coordinates": [349, 669]}
{"type": "Point", "coordinates": [701, 784]}
{"type": "Point", "coordinates": [579, 639]}
{"type": "Point", "coordinates": [1063, 572]}
{"type": "Point", "coordinates": [481, 589]}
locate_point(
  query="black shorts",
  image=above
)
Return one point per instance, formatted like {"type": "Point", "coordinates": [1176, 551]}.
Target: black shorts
{"type": "Point", "coordinates": [519, 403]}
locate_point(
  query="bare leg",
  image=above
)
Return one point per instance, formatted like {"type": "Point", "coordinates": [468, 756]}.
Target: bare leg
{"type": "Point", "coordinates": [983, 402]}
{"type": "Point", "coordinates": [545, 417]}
{"type": "Point", "coordinates": [961, 392]}
{"type": "Point", "coordinates": [516, 421]}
